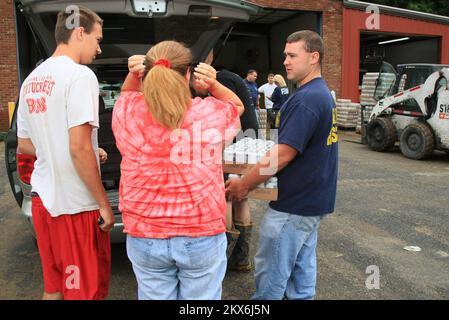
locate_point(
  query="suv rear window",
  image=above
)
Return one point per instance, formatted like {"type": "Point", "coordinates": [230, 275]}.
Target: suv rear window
{"type": "Point", "coordinates": [133, 35]}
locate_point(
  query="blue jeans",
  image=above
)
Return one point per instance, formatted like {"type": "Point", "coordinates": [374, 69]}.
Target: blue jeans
{"type": "Point", "coordinates": [183, 268]}
{"type": "Point", "coordinates": [285, 263]}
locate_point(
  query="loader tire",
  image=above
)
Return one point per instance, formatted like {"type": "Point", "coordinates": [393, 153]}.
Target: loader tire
{"type": "Point", "coordinates": [381, 134]}
{"type": "Point", "coordinates": [417, 141]}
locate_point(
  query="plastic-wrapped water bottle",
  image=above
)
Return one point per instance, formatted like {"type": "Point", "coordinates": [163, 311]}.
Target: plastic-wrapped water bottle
{"type": "Point", "coordinates": [272, 183]}
{"type": "Point", "coordinates": [240, 156]}
{"type": "Point", "coordinates": [229, 154]}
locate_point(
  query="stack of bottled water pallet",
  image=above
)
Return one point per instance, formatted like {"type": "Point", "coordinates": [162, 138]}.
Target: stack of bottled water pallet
{"type": "Point", "coordinates": [368, 87]}
{"type": "Point", "coordinates": [241, 157]}
{"type": "Point", "coordinates": [264, 126]}
{"type": "Point", "coordinates": [247, 150]}
{"type": "Point", "coordinates": [369, 82]}
{"type": "Point", "coordinates": [347, 113]}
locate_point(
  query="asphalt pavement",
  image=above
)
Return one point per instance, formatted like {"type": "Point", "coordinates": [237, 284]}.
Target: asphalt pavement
{"type": "Point", "coordinates": [385, 203]}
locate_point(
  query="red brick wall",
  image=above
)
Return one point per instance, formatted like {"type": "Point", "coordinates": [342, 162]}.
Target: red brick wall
{"type": "Point", "coordinates": [8, 61]}
{"type": "Point", "coordinates": [332, 32]}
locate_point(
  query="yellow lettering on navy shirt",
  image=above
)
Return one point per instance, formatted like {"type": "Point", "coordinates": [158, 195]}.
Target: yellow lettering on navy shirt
{"type": "Point", "coordinates": [333, 135]}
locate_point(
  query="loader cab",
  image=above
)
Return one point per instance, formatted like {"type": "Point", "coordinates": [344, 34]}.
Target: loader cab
{"type": "Point", "coordinates": [405, 76]}
{"type": "Point", "coordinates": [385, 82]}
{"type": "Point", "coordinates": [412, 75]}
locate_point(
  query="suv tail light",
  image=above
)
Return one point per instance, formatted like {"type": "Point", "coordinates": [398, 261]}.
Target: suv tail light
{"type": "Point", "coordinates": [25, 166]}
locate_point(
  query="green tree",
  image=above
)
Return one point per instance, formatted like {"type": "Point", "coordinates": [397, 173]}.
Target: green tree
{"type": "Point", "coordinates": [440, 7]}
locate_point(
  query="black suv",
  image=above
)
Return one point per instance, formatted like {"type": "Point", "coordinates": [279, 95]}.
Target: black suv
{"type": "Point", "coordinates": [130, 27]}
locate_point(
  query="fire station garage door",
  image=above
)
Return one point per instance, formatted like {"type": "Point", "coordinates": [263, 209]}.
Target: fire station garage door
{"type": "Point", "coordinates": [396, 49]}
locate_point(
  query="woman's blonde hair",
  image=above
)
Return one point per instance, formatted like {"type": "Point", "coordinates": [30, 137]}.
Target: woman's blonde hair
{"type": "Point", "coordinates": [279, 79]}
{"type": "Point", "coordinates": [165, 87]}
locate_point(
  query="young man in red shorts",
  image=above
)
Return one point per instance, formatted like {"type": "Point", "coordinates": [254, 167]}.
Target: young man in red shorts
{"type": "Point", "coordinates": [58, 122]}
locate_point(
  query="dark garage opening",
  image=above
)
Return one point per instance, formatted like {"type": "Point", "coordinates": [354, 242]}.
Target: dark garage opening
{"type": "Point", "coordinates": [259, 44]}
{"type": "Point", "coordinates": [396, 49]}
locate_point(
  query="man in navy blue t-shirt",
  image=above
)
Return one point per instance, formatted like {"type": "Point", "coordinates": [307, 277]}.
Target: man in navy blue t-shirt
{"type": "Point", "coordinates": [305, 161]}
{"type": "Point", "coordinates": [250, 82]}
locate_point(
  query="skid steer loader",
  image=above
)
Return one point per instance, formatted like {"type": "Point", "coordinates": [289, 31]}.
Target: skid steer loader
{"type": "Point", "coordinates": [412, 107]}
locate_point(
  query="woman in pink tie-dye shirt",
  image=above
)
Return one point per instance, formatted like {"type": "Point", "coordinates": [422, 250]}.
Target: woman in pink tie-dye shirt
{"type": "Point", "coordinates": [172, 195]}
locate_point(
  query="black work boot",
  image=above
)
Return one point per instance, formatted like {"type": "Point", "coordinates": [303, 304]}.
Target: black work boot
{"type": "Point", "coordinates": [240, 259]}
{"type": "Point", "coordinates": [232, 236]}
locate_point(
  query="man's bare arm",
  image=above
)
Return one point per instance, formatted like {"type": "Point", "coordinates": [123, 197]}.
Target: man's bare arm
{"type": "Point", "coordinates": [25, 146]}
{"type": "Point", "coordinates": [280, 156]}
{"type": "Point", "coordinates": [85, 162]}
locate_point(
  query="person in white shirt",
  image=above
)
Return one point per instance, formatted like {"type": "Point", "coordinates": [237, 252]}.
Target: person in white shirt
{"type": "Point", "coordinates": [267, 89]}
{"type": "Point", "coordinates": [57, 122]}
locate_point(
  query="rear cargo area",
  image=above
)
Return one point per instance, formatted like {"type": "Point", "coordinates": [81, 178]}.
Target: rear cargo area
{"type": "Point", "coordinates": [110, 171]}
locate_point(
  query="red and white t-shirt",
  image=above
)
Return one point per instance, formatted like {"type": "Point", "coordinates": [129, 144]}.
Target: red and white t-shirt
{"type": "Point", "coordinates": [172, 181]}
{"type": "Point", "coordinates": [58, 95]}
